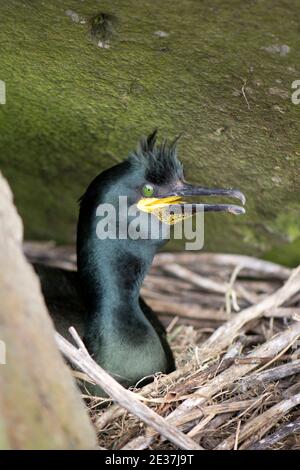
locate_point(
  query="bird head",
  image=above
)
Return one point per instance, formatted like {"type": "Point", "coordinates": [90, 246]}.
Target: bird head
{"type": "Point", "coordinates": [163, 189]}
{"type": "Point", "coordinates": [152, 180]}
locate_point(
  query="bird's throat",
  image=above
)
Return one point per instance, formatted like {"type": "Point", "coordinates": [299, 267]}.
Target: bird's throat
{"type": "Point", "coordinates": [111, 277]}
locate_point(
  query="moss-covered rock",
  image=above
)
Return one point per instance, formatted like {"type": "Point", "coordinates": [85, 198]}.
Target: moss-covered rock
{"type": "Point", "coordinates": [219, 71]}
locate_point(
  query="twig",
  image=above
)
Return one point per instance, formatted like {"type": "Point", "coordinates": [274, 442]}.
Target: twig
{"type": "Point", "coordinates": [271, 375]}
{"type": "Point", "coordinates": [226, 378]}
{"type": "Point", "coordinates": [237, 434]}
{"type": "Point", "coordinates": [282, 312]}
{"type": "Point", "coordinates": [258, 266]}
{"type": "Point", "coordinates": [196, 279]}
{"type": "Point", "coordinates": [110, 414]}
{"type": "Point", "coordinates": [266, 361]}
{"type": "Point", "coordinates": [186, 310]}
{"type": "Point", "coordinates": [281, 433]}
{"type": "Point", "coordinates": [208, 284]}
{"type": "Point", "coordinates": [213, 410]}
{"type": "Point", "coordinates": [257, 403]}
{"type": "Point", "coordinates": [169, 284]}
{"type": "Point", "coordinates": [291, 286]}
{"type": "Point", "coordinates": [260, 425]}
{"type": "Point", "coordinates": [181, 296]}
{"type": "Point", "coordinates": [226, 333]}
{"type": "Point", "coordinates": [292, 390]}
{"type": "Point", "coordinates": [81, 359]}
{"type": "Point", "coordinates": [204, 422]}
{"type": "Point", "coordinates": [230, 295]}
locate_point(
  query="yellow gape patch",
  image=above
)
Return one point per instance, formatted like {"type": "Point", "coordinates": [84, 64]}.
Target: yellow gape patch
{"type": "Point", "coordinates": [160, 208]}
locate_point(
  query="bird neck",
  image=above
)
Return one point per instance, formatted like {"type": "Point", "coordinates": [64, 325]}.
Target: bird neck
{"type": "Point", "coordinates": [111, 274]}
{"type": "Point", "coordinates": [120, 331]}
{"type": "Point", "coordinates": [111, 278]}
{"type": "Point", "coordinates": [121, 272]}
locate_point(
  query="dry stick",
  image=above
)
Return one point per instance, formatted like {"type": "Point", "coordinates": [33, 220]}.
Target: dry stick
{"type": "Point", "coordinates": [230, 296]}
{"type": "Point", "coordinates": [234, 350]}
{"type": "Point", "coordinates": [260, 425]}
{"type": "Point", "coordinates": [206, 283]}
{"type": "Point", "coordinates": [196, 279]}
{"type": "Point", "coordinates": [276, 299]}
{"type": "Point", "coordinates": [204, 422]}
{"type": "Point", "coordinates": [51, 255]}
{"type": "Point", "coordinates": [278, 435]}
{"type": "Point", "coordinates": [262, 399]}
{"type": "Point", "coordinates": [237, 435]}
{"type": "Point", "coordinates": [168, 284]}
{"type": "Point", "coordinates": [213, 410]}
{"type": "Point", "coordinates": [114, 411]}
{"type": "Point", "coordinates": [263, 361]}
{"type": "Point", "coordinates": [226, 333]}
{"type": "Point", "coordinates": [81, 359]}
{"type": "Point", "coordinates": [215, 423]}
{"type": "Point", "coordinates": [110, 414]}
{"type": "Point", "coordinates": [270, 348]}
{"type": "Point", "coordinates": [270, 375]}
{"type": "Point", "coordinates": [294, 300]}
{"type": "Point", "coordinates": [282, 312]}
{"type": "Point", "coordinates": [292, 390]}
{"type": "Point", "coordinates": [182, 296]}
{"type": "Point", "coordinates": [138, 443]}
{"type": "Point", "coordinates": [186, 310]}
{"type": "Point", "coordinates": [226, 378]}
{"type": "Point", "coordinates": [250, 263]}
{"type": "Point", "coordinates": [197, 312]}
{"type": "Point", "coordinates": [264, 286]}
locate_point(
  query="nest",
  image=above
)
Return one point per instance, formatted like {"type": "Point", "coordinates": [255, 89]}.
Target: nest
{"type": "Point", "coordinates": [233, 323]}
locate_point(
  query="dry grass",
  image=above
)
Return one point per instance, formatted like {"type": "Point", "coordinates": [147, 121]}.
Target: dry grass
{"type": "Point", "coordinates": [233, 323]}
{"type": "Point", "coordinates": [236, 416]}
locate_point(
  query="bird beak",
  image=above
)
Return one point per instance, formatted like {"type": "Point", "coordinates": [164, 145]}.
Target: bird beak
{"type": "Point", "coordinates": [170, 207]}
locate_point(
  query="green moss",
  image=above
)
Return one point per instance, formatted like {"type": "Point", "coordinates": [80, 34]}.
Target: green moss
{"type": "Point", "coordinates": [74, 109]}
{"type": "Point", "coordinates": [287, 254]}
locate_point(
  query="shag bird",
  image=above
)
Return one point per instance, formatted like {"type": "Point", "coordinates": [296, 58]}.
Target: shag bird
{"type": "Point", "coordinates": [122, 333]}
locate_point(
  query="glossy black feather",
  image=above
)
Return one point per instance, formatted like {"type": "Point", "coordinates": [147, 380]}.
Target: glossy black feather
{"type": "Point", "coordinates": [159, 161]}
{"type": "Point", "coordinates": [122, 333]}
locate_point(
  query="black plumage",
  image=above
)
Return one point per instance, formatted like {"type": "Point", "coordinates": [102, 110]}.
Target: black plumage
{"type": "Point", "coordinates": [159, 161]}
{"type": "Point", "coordinates": [122, 333]}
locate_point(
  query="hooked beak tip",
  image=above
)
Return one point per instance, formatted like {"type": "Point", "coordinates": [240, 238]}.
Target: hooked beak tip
{"type": "Point", "coordinates": [236, 210]}
{"type": "Point", "coordinates": [239, 195]}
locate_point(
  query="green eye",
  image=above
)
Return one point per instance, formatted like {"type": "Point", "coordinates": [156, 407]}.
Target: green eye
{"type": "Point", "coordinates": [148, 190]}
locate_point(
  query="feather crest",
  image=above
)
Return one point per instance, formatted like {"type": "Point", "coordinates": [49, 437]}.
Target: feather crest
{"type": "Point", "coordinates": [159, 161]}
